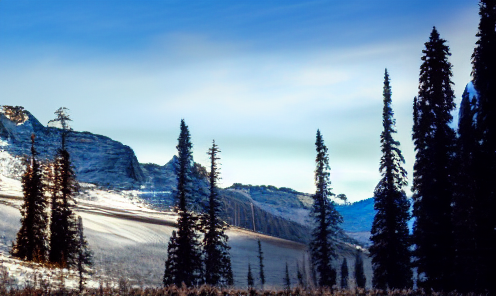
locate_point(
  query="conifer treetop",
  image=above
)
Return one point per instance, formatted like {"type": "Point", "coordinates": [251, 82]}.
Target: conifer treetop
{"type": "Point", "coordinates": [389, 234]}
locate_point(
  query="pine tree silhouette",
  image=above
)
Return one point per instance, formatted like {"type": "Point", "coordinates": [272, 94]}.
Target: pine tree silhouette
{"type": "Point", "coordinates": [186, 250]}
{"type": "Point", "coordinates": [326, 217]}
{"type": "Point", "coordinates": [464, 199]}
{"type": "Point", "coordinates": [171, 262]}
{"type": "Point", "coordinates": [344, 274]}
{"type": "Point", "coordinates": [31, 242]}
{"type": "Point", "coordinates": [433, 179]}
{"type": "Point", "coordinates": [287, 280]}
{"type": "Point", "coordinates": [261, 265]}
{"type": "Point", "coordinates": [84, 258]}
{"type": "Point", "coordinates": [484, 77]}
{"type": "Point", "coordinates": [390, 235]}
{"type": "Point", "coordinates": [250, 277]}
{"type": "Point", "coordinates": [218, 271]}
{"type": "Point", "coordinates": [360, 278]}
{"type": "Point", "coordinates": [299, 276]}
{"type": "Point", "coordinates": [64, 238]}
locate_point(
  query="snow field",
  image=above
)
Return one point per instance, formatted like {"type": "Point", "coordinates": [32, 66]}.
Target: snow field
{"type": "Point", "coordinates": [129, 242]}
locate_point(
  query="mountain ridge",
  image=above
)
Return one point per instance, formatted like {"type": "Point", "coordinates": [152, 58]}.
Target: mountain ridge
{"type": "Point", "coordinates": [99, 160]}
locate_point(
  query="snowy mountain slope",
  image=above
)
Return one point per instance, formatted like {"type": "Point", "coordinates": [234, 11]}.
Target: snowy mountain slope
{"type": "Point", "coordinates": [129, 241]}
{"type": "Point", "coordinates": [357, 219]}
{"type": "Point", "coordinates": [358, 216]}
{"type": "Point", "coordinates": [282, 202]}
{"type": "Point", "coordinates": [295, 206]}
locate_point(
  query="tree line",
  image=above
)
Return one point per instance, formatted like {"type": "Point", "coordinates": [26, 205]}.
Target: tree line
{"type": "Point", "coordinates": [193, 261]}
{"type": "Point", "coordinates": [453, 244]}
{"type": "Point", "coordinates": [189, 260]}
{"type": "Point", "coordinates": [50, 232]}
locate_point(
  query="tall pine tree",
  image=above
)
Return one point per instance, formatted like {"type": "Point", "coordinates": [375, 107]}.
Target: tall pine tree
{"type": "Point", "coordinates": [433, 179]}
{"type": "Point", "coordinates": [218, 271]}
{"type": "Point", "coordinates": [185, 253]}
{"type": "Point", "coordinates": [464, 200]}
{"type": "Point", "coordinates": [64, 238]}
{"type": "Point", "coordinates": [326, 217]}
{"type": "Point", "coordinates": [484, 77]}
{"type": "Point", "coordinates": [390, 237]}
{"type": "Point", "coordinates": [31, 241]}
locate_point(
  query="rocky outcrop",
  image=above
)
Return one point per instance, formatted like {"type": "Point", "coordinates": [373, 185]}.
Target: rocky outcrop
{"type": "Point", "coordinates": [97, 159]}
{"type": "Point", "coordinates": [158, 177]}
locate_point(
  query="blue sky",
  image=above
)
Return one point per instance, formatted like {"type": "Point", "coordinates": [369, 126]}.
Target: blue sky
{"type": "Point", "coordinates": [259, 77]}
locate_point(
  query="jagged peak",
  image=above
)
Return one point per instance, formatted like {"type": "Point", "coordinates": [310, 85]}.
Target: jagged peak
{"type": "Point", "coordinates": [16, 114]}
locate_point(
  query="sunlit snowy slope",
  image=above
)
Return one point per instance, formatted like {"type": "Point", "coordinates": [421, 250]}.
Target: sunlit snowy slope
{"type": "Point", "coordinates": [129, 240]}
{"type": "Point", "coordinates": [124, 206]}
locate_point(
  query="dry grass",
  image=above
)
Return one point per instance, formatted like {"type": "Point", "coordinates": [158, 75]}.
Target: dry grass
{"type": "Point", "coordinates": [50, 286]}
{"type": "Point", "coordinates": [213, 291]}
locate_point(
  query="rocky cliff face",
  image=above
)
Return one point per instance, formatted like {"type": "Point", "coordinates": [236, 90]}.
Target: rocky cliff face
{"type": "Point", "coordinates": [97, 159]}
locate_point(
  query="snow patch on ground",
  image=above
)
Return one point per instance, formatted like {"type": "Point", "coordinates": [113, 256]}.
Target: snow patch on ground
{"type": "Point", "coordinates": [19, 274]}
{"type": "Point", "coordinates": [129, 242]}
{"type": "Point", "coordinates": [125, 200]}
{"type": "Point", "coordinates": [10, 166]}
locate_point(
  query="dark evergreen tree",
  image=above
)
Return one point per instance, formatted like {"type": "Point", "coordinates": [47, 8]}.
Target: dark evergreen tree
{"type": "Point", "coordinates": [64, 238]}
{"type": "Point", "coordinates": [250, 277]}
{"type": "Point", "coordinates": [390, 235]}
{"type": "Point", "coordinates": [344, 274]}
{"type": "Point", "coordinates": [287, 280]}
{"type": "Point", "coordinates": [228, 272]}
{"type": "Point", "coordinates": [31, 241]}
{"type": "Point", "coordinates": [217, 260]}
{"type": "Point", "coordinates": [299, 276]}
{"type": "Point", "coordinates": [62, 120]}
{"type": "Point", "coordinates": [433, 170]}
{"type": "Point", "coordinates": [84, 258]}
{"type": "Point", "coordinates": [464, 201]}
{"type": "Point", "coordinates": [360, 278]}
{"type": "Point", "coordinates": [187, 251]}
{"type": "Point", "coordinates": [326, 217]}
{"type": "Point", "coordinates": [171, 262]}
{"type": "Point", "coordinates": [484, 77]}
{"type": "Point", "coordinates": [261, 265]}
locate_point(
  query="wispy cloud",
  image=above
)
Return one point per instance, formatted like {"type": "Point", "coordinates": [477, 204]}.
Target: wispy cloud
{"type": "Point", "coordinates": [261, 100]}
